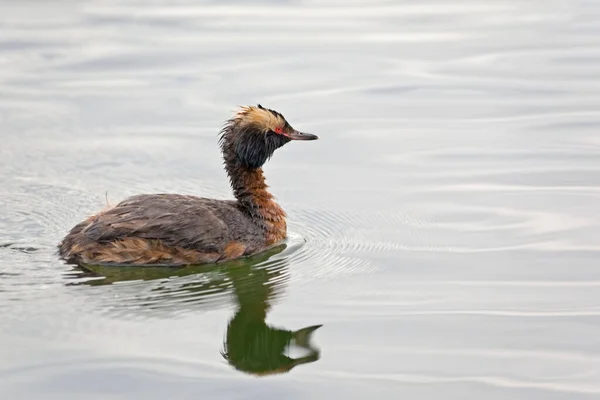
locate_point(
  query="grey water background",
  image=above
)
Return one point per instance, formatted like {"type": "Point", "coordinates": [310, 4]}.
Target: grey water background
{"type": "Point", "coordinates": [445, 228]}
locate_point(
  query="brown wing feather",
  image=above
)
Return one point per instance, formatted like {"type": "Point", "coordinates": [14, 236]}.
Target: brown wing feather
{"type": "Point", "coordinates": [182, 221]}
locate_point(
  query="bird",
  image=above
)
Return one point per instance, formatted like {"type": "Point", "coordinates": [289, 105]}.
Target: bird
{"type": "Point", "coordinates": [176, 230]}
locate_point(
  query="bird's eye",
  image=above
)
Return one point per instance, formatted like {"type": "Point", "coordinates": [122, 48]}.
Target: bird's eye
{"type": "Point", "coordinates": [279, 130]}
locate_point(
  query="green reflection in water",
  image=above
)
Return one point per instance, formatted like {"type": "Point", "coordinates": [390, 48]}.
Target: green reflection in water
{"type": "Point", "coordinates": [250, 345]}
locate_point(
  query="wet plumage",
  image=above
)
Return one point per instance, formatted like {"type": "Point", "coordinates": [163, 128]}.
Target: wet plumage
{"type": "Point", "coordinates": [172, 229]}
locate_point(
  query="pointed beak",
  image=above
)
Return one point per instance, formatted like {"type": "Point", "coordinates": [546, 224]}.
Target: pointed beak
{"type": "Point", "coordinates": [301, 136]}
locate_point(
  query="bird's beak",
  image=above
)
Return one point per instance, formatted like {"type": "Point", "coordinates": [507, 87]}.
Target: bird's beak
{"type": "Point", "coordinates": [295, 135]}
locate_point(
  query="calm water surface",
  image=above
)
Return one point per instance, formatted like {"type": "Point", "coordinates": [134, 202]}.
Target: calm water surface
{"type": "Point", "coordinates": [445, 230]}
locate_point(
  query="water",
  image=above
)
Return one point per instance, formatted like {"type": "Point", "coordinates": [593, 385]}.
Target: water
{"type": "Point", "coordinates": [444, 229]}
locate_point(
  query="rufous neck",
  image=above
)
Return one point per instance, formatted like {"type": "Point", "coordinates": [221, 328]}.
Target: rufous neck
{"type": "Point", "coordinates": [250, 189]}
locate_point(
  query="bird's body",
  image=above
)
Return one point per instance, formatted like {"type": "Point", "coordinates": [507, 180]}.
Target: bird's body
{"type": "Point", "coordinates": [173, 229]}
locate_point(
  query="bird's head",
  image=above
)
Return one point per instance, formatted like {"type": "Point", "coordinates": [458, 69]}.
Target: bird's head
{"type": "Point", "coordinates": [254, 132]}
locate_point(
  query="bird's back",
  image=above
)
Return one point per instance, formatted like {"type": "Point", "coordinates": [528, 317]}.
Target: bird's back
{"type": "Point", "coordinates": [164, 227]}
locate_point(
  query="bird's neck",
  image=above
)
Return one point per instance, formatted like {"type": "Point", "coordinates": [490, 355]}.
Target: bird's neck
{"type": "Point", "coordinates": [250, 189]}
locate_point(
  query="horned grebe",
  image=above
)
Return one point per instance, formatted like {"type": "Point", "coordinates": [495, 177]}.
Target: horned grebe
{"type": "Point", "coordinates": [173, 229]}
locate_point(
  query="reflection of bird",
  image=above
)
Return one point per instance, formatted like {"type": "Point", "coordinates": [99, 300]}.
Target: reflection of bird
{"type": "Point", "coordinates": [250, 346]}
{"type": "Point", "coordinates": [173, 229]}
{"type": "Point", "coordinates": [254, 347]}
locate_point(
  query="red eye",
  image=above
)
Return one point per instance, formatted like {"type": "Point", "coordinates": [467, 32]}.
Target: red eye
{"type": "Point", "coordinates": [278, 130]}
